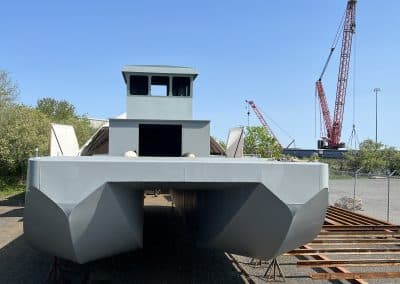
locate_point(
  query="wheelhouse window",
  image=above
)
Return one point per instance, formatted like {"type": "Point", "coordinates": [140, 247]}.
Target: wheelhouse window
{"type": "Point", "coordinates": [159, 85]}
{"type": "Point", "coordinates": [138, 85]}
{"type": "Point", "coordinates": [181, 86]}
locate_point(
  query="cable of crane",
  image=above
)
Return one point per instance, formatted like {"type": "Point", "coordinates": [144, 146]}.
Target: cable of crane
{"type": "Point", "coordinates": [353, 136]}
{"type": "Point", "coordinates": [277, 125]}
{"type": "Point", "coordinates": [354, 76]}
{"type": "Point", "coordinates": [338, 32]}
{"type": "Point", "coordinates": [333, 46]}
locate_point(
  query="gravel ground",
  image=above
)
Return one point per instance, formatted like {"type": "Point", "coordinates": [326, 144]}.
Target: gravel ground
{"type": "Point", "coordinates": [293, 274]}
{"type": "Point", "coordinates": [168, 256]}
{"type": "Point", "coordinates": [373, 194]}
{"type": "Point", "coordinates": [18, 262]}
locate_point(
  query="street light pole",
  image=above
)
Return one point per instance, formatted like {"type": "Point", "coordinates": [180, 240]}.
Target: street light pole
{"type": "Point", "coordinates": [376, 90]}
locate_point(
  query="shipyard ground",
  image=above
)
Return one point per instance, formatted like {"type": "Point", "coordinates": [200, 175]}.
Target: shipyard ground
{"type": "Point", "coordinates": [168, 257]}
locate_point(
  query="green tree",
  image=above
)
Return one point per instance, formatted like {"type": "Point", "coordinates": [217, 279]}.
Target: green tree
{"type": "Point", "coordinates": [8, 89]}
{"type": "Point", "coordinates": [23, 130]}
{"type": "Point", "coordinates": [56, 110]}
{"type": "Point", "coordinates": [392, 159]}
{"type": "Point", "coordinates": [63, 112]}
{"type": "Point", "coordinates": [257, 141]}
{"type": "Point", "coordinates": [372, 157]}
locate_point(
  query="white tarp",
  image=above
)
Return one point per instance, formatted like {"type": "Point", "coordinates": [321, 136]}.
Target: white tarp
{"type": "Point", "coordinates": [235, 143]}
{"type": "Point", "coordinates": [63, 141]}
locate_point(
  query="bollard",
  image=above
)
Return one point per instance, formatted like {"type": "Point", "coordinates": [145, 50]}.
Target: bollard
{"type": "Point", "coordinates": [389, 175]}
{"type": "Point", "coordinates": [354, 188]}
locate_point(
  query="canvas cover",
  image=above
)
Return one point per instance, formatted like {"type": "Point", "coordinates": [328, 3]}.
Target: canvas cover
{"type": "Point", "coordinates": [235, 143]}
{"type": "Point", "coordinates": [63, 141]}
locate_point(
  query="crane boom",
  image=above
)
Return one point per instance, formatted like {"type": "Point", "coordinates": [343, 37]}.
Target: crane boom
{"type": "Point", "coordinates": [263, 121]}
{"type": "Point", "coordinates": [348, 31]}
{"type": "Point", "coordinates": [334, 129]}
{"type": "Point", "coordinates": [325, 109]}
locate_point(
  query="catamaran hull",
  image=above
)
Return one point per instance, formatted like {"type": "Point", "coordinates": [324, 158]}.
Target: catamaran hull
{"type": "Point", "coordinates": [86, 208]}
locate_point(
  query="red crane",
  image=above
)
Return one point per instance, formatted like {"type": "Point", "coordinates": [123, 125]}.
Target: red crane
{"type": "Point", "coordinates": [263, 121]}
{"type": "Point", "coordinates": [334, 129]}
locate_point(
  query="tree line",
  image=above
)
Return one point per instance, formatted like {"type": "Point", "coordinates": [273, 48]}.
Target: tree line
{"type": "Point", "coordinates": [371, 157]}
{"type": "Point", "coordinates": [25, 130]}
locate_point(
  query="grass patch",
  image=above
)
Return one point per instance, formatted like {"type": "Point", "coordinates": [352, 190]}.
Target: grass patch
{"type": "Point", "coordinates": [10, 187]}
{"type": "Point", "coordinates": [340, 176]}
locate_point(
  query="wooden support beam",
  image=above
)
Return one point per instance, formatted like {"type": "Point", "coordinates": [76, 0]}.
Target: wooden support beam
{"type": "Point", "coordinates": [355, 216]}
{"type": "Point", "coordinates": [357, 243]}
{"type": "Point", "coordinates": [363, 275]}
{"type": "Point", "coordinates": [341, 220]}
{"type": "Point", "coordinates": [329, 221]}
{"type": "Point", "coordinates": [359, 233]}
{"type": "Point", "coordinates": [344, 211]}
{"type": "Point", "coordinates": [339, 241]}
{"type": "Point", "coordinates": [361, 227]}
{"type": "Point", "coordinates": [349, 262]}
{"type": "Point", "coordinates": [345, 251]}
{"type": "Point", "coordinates": [345, 228]}
{"type": "Point", "coordinates": [337, 268]}
{"type": "Point", "coordinates": [350, 217]}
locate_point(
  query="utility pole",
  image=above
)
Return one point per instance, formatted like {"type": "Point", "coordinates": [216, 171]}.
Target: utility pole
{"type": "Point", "coordinates": [376, 90]}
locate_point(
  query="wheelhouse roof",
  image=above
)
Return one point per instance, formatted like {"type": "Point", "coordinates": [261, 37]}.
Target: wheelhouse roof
{"type": "Point", "coordinates": [158, 69]}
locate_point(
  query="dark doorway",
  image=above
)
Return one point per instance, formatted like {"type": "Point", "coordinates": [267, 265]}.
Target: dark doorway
{"type": "Point", "coordinates": [160, 140]}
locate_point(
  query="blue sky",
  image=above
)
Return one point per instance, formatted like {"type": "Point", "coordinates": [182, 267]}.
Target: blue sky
{"type": "Point", "coordinates": [268, 51]}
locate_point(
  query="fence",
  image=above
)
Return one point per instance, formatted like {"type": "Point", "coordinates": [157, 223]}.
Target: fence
{"type": "Point", "coordinates": [376, 195]}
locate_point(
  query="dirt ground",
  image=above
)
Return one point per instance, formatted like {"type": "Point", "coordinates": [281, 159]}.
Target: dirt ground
{"type": "Point", "coordinates": [373, 194]}
{"type": "Point", "coordinates": [168, 256]}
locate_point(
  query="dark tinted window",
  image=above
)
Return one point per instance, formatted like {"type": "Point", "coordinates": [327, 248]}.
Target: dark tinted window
{"type": "Point", "coordinates": [139, 85]}
{"type": "Point", "coordinates": [181, 86]}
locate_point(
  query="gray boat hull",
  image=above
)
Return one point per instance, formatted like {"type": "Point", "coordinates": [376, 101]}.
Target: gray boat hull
{"type": "Point", "coordinates": [86, 208]}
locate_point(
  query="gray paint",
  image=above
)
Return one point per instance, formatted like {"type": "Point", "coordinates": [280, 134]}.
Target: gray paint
{"type": "Point", "coordinates": [166, 108]}
{"type": "Point", "coordinates": [158, 107]}
{"type": "Point", "coordinates": [229, 219]}
{"type": "Point", "coordinates": [124, 135]}
{"type": "Point", "coordinates": [85, 208]}
{"type": "Point", "coordinates": [158, 69]}
{"type": "Point", "coordinates": [77, 206]}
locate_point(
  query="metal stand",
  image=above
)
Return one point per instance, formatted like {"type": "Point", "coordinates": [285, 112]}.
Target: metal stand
{"type": "Point", "coordinates": [255, 261]}
{"type": "Point", "coordinates": [54, 274]}
{"type": "Point", "coordinates": [274, 271]}
{"type": "Point", "coordinates": [60, 272]}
